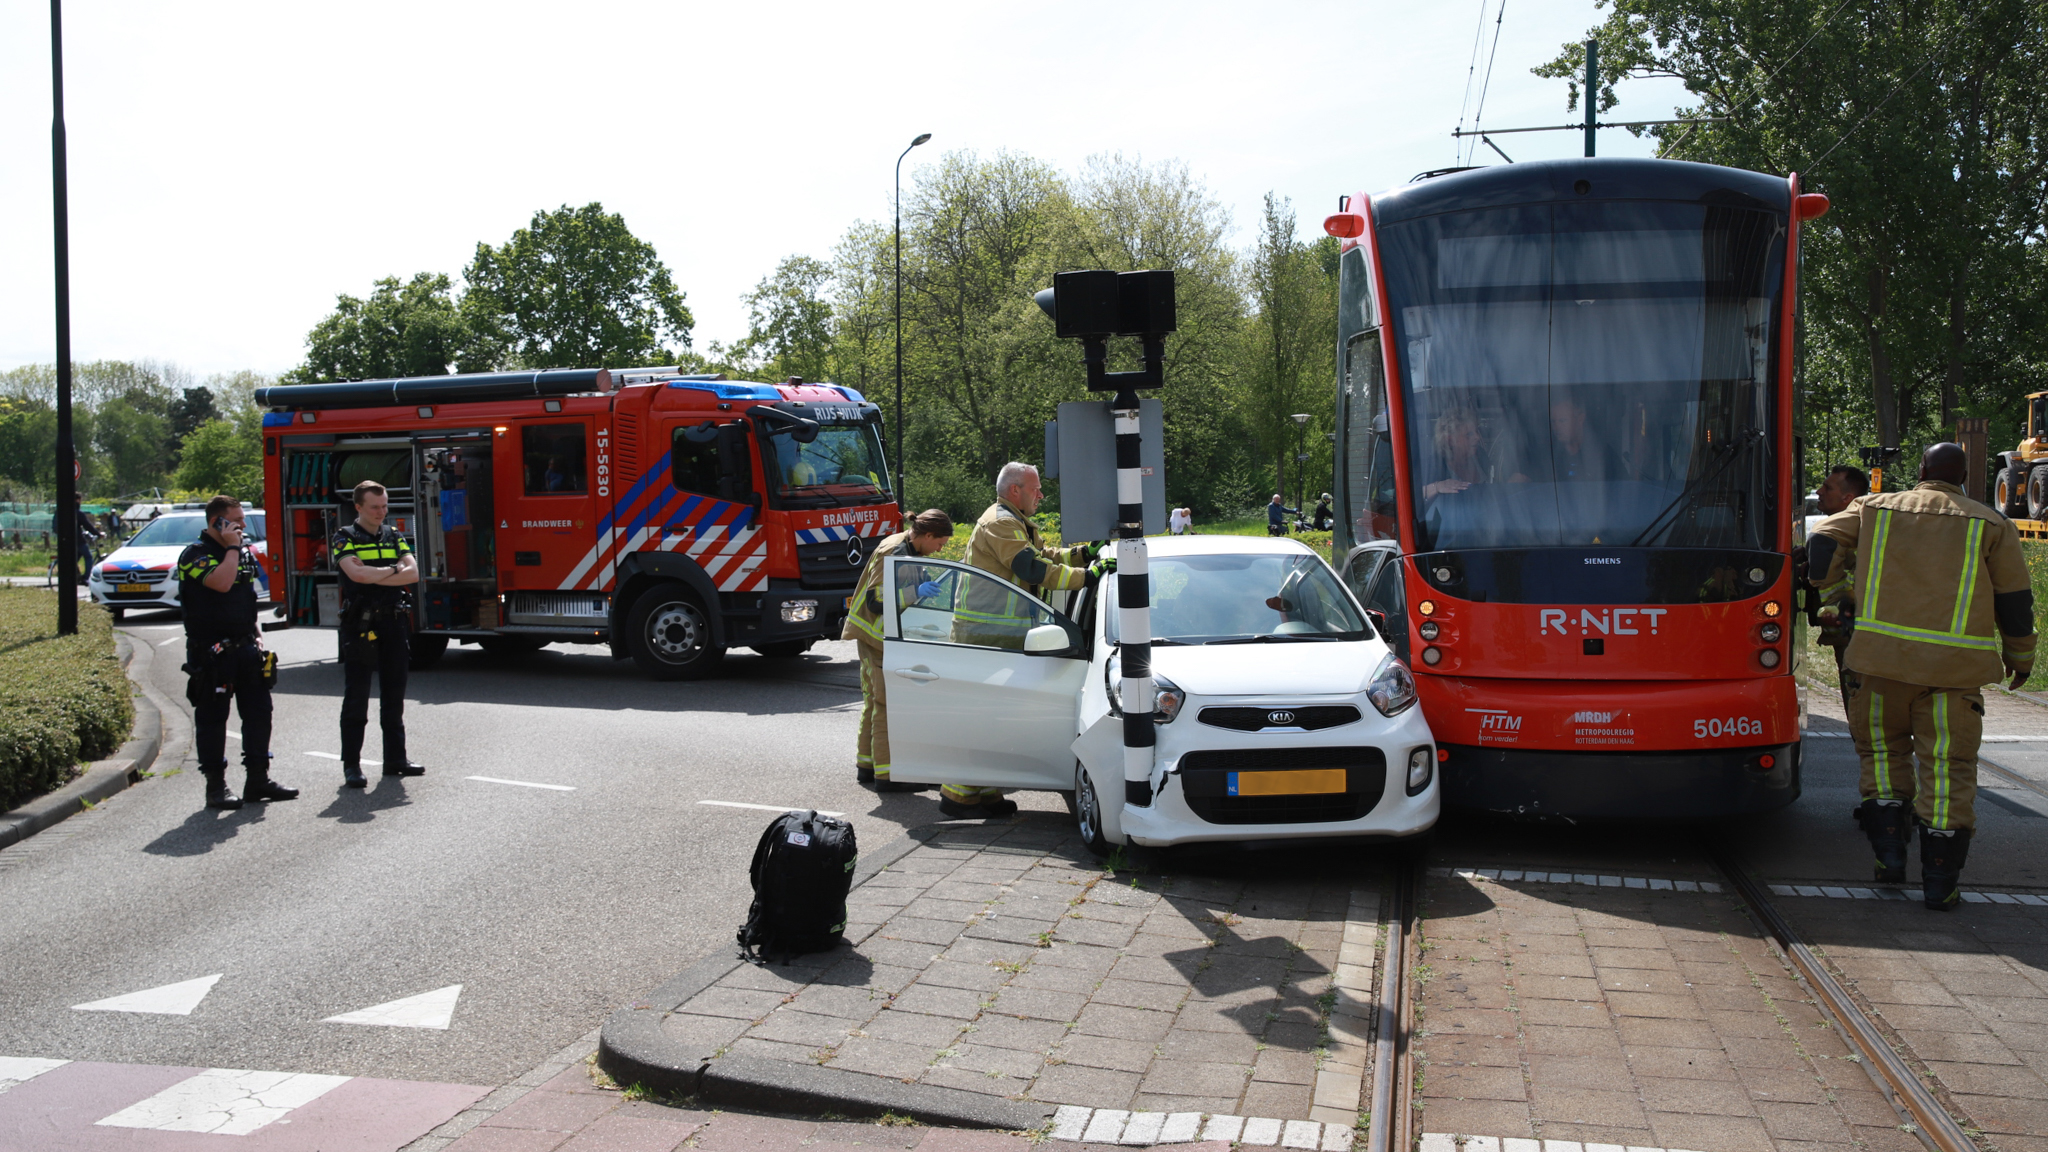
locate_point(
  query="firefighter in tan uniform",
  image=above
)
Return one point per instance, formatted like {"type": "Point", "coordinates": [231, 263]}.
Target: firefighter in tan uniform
{"type": "Point", "coordinates": [927, 533]}
{"type": "Point", "coordinates": [1944, 607]}
{"type": "Point", "coordinates": [1007, 544]}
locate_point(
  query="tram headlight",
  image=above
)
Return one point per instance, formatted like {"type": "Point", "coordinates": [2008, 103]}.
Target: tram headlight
{"type": "Point", "coordinates": [1769, 657]}
{"type": "Point", "coordinates": [1429, 630]}
{"type": "Point", "coordinates": [1432, 656]}
{"type": "Point", "coordinates": [1771, 633]}
{"type": "Point", "coordinates": [1392, 690]}
{"type": "Point", "coordinates": [1420, 769]}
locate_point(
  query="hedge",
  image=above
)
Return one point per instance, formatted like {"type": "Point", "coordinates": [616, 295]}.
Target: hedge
{"type": "Point", "coordinates": [64, 700]}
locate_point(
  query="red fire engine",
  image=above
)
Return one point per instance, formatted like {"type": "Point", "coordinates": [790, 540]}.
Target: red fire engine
{"type": "Point", "coordinates": [672, 516]}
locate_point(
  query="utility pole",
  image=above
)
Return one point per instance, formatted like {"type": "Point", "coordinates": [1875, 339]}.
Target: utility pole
{"type": "Point", "coordinates": [67, 461]}
{"type": "Point", "coordinates": [902, 475]}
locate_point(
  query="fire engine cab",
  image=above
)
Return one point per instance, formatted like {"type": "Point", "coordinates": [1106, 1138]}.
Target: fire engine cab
{"type": "Point", "coordinates": [671, 516]}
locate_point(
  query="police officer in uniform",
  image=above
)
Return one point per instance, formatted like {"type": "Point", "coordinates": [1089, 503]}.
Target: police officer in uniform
{"type": "Point", "coordinates": [1006, 543]}
{"type": "Point", "coordinates": [378, 573]}
{"type": "Point", "coordinates": [224, 658]}
{"type": "Point", "coordinates": [1943, 605]}
{"type": "Point", "coordinates": [926, 533]}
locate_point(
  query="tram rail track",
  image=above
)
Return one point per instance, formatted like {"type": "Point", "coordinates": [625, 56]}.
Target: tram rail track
{"type": "Point", "coordinates": [1391, 1126]}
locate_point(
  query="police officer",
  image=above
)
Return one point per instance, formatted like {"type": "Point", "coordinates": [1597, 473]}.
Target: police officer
{"type": "Point", "coordinates": [927, 532]}
{"type": "Point", "coordinates": [1943, 603]}
{"type": "Point", "coordinates": [1007, 544]}
{"type": "Point", "coordinates": [378, 573]}
{"type": "Point", "coordinates": [224, 658]}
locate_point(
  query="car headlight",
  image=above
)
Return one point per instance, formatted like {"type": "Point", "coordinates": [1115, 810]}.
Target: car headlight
{"type": "Point", "coordinates": [1393, 687]}
{"type": "Point", "coordinates": [1167, 696]}
{"type": "Point", "coordinates": [95, 571]}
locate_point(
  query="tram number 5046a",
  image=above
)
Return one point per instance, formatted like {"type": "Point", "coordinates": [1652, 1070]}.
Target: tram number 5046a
{"type": "Point", "coordinates": [1739, 726]}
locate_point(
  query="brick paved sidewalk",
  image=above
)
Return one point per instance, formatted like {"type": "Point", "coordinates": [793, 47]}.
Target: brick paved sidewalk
{"type": "Point", "coordinates": [1002, 960]}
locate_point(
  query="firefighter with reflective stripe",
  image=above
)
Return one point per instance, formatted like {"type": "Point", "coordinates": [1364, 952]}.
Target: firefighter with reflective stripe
{"type": "Point", "coordinates": [1843, 486]}
{"type": "Point", "coordinates": [1007, 544]}
{"type": "Point", "coordinates": [224, 658]}
{"type": "Point", "coordinates": [928, 532]}
{"type": "Point", "coordinates": [378, 573]}
{"type": "Point", "coordinates": [1944, 607]}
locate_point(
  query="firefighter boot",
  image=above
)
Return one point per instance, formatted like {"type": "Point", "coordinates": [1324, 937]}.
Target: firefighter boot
{"type": "Point", "coordinates": [986, 810]}
{"type": "Point", "coordinates": [259, 786]}
{"type": "Point", "coordinates": [1885, 822]}
{"type": "Point", "coordinates": [218, 794]}
{"type": "Point", "coordinates": [1941, 866]}
{"type": "Point", "coordinates": [352, 775]}
{"type": "Point", "coordinates": [863, 773]}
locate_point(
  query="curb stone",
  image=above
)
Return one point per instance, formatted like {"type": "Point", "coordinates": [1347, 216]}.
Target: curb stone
{"type": "Point", "coordinates": [102, 778]}
{"type": "Point", "coordinates": [633, 1049]}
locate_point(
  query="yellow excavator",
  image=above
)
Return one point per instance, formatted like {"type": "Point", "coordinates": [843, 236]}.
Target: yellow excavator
{"type": "Point", "coordinates": [2022, 491]}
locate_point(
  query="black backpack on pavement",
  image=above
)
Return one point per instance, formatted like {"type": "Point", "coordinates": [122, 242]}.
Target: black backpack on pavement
{"type": "Point", "coordinates": [802, 871]}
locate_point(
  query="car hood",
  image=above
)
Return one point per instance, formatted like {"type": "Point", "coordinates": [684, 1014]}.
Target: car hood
{"type": "Point", "coordinates": [128, 558]}
{"type": "Point", "coordinates": [1303, 668]}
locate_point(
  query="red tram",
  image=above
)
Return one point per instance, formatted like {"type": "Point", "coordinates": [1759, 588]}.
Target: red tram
{"type": "Point", "coordinates": [1567, 439]}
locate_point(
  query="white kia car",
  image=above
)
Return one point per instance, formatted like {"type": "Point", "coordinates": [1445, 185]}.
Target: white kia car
{"type": "Point", "coordinates": [138, 575]}
{"type": "Point", "coordinates": [1282, 713]}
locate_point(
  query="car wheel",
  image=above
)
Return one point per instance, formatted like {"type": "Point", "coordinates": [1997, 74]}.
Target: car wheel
{"type": "Point", "coordinates": [1087, 807]}
{"type": "Point", "coordinates": [784, 649]}
{"type": "Point", "coordinates": [669, 634]}
{"type": "Point", "coordinates": [117, 613]}
{"type": "Point", "coordinates": [426, 651]}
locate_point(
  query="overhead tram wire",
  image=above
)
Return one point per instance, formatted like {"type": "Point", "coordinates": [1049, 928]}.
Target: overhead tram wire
{"type": "Point", "coordinates": [1479, 115]}
{"type": "Point", "coordinates": [1926, 59]}
{"type": "Point", "coordinates": [1757, 85]}
{"type": "Point", "coordinates": [1471, 69]}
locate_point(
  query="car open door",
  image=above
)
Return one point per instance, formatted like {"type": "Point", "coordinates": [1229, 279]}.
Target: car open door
{"type": "Point", "coordinates": [983, 680]}
{"type": "Point", "coordinates": [1373, 573]}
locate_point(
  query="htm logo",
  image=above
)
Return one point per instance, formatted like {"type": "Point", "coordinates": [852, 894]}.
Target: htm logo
{"type": "Point", "coordinates": [1496, 720]}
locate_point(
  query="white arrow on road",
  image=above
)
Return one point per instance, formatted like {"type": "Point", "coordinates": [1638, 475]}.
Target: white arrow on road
{"type": "Point", "coordinates": [170, 1000]}
{"type": "Point", "coordinates": [426, 1010]}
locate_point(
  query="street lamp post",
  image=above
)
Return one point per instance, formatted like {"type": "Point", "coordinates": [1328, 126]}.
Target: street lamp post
{"type": "Point", "coordinates": [1301, 420]}
{"type": "Point", "coordinates": [902, 472]}
{"type": "Point", "coordinates": [67, 479]}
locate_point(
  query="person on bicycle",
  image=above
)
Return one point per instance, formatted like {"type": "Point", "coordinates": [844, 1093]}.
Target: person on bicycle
{"type": "Point", "coordinates": [1276, 516]}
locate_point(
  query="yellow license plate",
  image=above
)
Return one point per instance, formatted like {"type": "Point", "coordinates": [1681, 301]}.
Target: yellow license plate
{"type": "Point", "coordinates": [131, 587]}
{"type": "Point", "coordinates": [1305, 782]}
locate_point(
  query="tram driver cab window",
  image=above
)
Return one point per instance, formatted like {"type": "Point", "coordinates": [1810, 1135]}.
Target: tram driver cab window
{"type": "Point", "coordinates": [554, 458]}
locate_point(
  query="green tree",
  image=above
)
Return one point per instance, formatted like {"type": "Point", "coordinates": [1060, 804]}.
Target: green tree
{"type": "Point", "coordinates": [575, 288]}
{"type": "Point", "coordinates": [222, 457]}
{"type": "Point", "coordinates": [1289, 343]}
{"type": "Point", "coordinates": [413, 328]}
{"type": "Point", "coordinates": [789, 321]}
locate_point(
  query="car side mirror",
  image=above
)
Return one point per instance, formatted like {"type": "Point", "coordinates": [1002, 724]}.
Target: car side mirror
{"type": "Point", "coordinates": [1379, 624]}
{"type": "Point", "coordinates": [1047, 638]}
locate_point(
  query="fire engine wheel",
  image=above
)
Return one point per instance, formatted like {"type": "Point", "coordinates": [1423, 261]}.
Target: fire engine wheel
{"type": "Point", "coordinates": [426, 651]}
{"type": "Point", "coordinates": [670, 636]}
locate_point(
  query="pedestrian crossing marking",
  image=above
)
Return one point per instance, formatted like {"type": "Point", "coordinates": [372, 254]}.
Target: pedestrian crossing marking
{"type": "Point", "coordinates": [22, 1069]}
{"type": "Point", "coordinates": [169, 1000]}
{"type": "Point", "coordinates": [434, 1009]}
{"type": "Point", "coordinates": [225, 1101]}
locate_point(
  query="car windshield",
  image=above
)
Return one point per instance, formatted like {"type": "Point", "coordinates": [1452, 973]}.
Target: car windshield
{"type": "Point", "coordinates": [181, 528]}
{"type": "Point", "coordinates": [844, 465]}
{"type": "Point", "coordinates": [1246, 598]}
{"type": "Point", "coordinates": [1592, 373]}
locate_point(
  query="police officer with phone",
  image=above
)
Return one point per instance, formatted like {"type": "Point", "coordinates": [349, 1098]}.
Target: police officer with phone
{"type": "Point", "coordinates": [224, 658]}
{"type": "Point", "coordinates": [378, 574]}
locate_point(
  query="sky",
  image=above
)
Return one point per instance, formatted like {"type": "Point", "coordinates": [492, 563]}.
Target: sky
{"type": "Point", "coordinates": [234, 166]}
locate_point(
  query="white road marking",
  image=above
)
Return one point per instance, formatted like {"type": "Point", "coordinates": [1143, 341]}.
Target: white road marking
{"type": "Point", "coordinates": [765, 807]}
{"type": "Point", "coordinates": [521, 783]}
{"type": "Point", "coordinates": [168, 643]}
{"type": "Point", "coordinates": [332, 756]}
{"type": "Point", "coordinates": [169, 1000]}
{"type": "Point", "coordinates": [225, 1101]}
{"type": "Point", "coordinates": [427, 1010]}
{"type": "Point", "coordinates": [1980, 739]}
{"type": "Point", "coordinates": [1832, 892]}
{"type": "Point", "coordinates": [234, 735]}
{"type": "Point", "coordinates": [21, 1069]}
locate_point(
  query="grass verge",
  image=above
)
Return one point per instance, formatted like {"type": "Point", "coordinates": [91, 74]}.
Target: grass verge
{"type": "Point", "coordinates": [64, 700]}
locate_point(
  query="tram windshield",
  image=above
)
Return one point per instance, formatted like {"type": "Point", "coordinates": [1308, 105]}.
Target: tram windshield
{"type": "Point", "coordinates": [1588, 374]}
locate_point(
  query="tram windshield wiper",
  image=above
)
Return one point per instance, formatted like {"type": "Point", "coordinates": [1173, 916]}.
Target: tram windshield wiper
{"type": "Point", "coordinates": [1751, 437]}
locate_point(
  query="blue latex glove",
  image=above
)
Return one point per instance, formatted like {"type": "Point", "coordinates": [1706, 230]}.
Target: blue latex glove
{"type": "Point", "coordinates": [927, 589]}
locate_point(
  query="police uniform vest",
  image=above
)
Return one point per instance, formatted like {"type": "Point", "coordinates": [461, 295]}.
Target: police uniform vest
{"type": "Point", "coordinates": [382, 549]}
{"type": "Point", "coordinates": [212, 616]}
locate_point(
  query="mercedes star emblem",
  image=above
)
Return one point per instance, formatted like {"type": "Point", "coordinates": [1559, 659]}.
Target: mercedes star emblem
{"type": "Point", "coordinates": [853, 557]}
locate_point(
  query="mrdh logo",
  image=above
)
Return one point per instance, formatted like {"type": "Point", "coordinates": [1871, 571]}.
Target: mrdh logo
{"type": "Point", "coordinates": [1609, 621]}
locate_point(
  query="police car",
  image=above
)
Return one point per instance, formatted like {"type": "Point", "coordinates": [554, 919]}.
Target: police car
{"type": "Point", "coordinates": [1282, 713]}
{"type": "Point", "coordinates": [138, 575]}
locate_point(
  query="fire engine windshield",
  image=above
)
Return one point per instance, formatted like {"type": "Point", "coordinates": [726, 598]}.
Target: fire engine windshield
{"type": "Point", "coordinates": [1588, 374]}
{"type": "Point", "coordinates": [844, 465]}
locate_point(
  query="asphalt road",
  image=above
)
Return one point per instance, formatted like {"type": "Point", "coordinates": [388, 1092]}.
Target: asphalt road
{"type": "Point", "coordinates": [550, 907]}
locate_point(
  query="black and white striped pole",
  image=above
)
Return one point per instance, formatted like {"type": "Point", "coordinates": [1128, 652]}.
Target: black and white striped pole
{"type": "Point", "coordinates": [1091, 307]}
